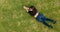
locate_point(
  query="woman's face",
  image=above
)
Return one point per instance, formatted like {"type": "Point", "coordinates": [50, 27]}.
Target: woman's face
{"type": "Point", "coordinates": [30, 9]}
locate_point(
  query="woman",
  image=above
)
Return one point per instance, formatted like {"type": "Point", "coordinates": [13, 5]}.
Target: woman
{"type": "Point", "coordinates": [33, 12]}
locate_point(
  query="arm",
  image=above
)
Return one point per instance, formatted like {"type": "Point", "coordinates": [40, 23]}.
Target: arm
{"type": "Point", "coordinates": [26, 8]}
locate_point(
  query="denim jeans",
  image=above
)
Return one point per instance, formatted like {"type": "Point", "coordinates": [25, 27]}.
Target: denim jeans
{"type": "Point", "coordinates": [43, 19]}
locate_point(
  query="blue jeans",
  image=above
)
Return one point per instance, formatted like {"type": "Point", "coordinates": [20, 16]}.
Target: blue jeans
{"type": "Point", "coordinates": [42, 19]}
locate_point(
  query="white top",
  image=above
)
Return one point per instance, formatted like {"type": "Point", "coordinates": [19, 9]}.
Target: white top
{"type": "Point", "coordinates": [36, 15]}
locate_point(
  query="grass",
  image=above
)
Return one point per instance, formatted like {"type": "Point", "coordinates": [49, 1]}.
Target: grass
{"type": "Point", "coordinates": [13, 18]}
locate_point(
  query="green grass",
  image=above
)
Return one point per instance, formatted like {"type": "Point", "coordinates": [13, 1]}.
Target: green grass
{"type": "Point", "coordinates": [13, 18]}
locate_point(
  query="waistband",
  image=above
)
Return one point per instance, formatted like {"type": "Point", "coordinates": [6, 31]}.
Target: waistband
{"type": "Point", "coordinates": [36, 15]}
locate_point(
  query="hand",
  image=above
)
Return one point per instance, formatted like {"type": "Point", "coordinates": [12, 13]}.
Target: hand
{"type": "Point", "coordinates": [26, 8]}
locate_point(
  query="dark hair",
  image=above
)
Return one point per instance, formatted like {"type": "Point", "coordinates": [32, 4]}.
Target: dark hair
{"type": "Point", "coordinates": [32, 7]}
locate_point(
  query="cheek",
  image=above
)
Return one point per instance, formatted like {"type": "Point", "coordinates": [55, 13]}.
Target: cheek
{"type": "Point", "coordinates": [31, 9]}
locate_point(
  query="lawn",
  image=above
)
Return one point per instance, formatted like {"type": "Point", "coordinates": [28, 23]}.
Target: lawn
{"type": "Point", "coordinates": [13, 18]}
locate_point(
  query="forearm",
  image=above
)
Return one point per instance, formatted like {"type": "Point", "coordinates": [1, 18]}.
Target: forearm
{"type": "Point", "coordinates": [26, 8]}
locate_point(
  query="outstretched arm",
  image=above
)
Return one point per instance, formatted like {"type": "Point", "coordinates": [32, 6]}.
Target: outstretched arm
{"type": "Point", "coordinates": [26, 8]}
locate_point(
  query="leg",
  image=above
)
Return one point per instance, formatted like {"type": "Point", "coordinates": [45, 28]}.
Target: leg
{"type": "Point", "coordinates": [51, 20]}
{"type": "Point", "coordinates": [47, 24]}
{"type": "Point", "coordinates": [43, 21]}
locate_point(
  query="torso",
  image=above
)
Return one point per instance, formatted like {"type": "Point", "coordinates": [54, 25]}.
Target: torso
{"type": "Point", "coordinates": [33, 13]}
